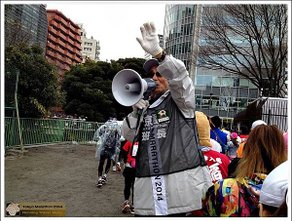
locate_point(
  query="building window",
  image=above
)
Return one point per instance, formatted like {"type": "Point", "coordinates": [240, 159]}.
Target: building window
{"type": "Point", "coordinates": [227, 81]}
{"type": "Point", "coordinates": [204, 80]}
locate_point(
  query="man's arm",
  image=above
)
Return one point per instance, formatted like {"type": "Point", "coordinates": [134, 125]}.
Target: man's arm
{"type": "Point", "coordinates": [180, 84]}
{"type": "Point", "coordinates": [129, 126]}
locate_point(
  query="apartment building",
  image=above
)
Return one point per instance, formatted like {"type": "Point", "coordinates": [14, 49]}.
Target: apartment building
{"type": "Point", "coordinates": [90, 46]}
{"type": "Point", "coordinates": [63, 42]}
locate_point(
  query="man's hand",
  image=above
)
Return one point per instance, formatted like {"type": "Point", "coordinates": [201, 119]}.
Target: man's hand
{"type": "Point", "coordinates": [150, 41]}
{"type": "Point", "coordinates": [141, 104]}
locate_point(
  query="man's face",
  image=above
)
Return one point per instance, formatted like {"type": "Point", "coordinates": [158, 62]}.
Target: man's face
{"type": "Point", "coordinates": [161, 82]}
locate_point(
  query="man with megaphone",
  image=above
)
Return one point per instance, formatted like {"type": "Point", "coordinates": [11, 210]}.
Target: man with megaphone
{"type": "Point", "coordinates": [171, 173]}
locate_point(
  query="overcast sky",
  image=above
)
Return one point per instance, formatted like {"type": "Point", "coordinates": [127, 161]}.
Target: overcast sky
{"type": "Point", "coordinates": [114, 24]}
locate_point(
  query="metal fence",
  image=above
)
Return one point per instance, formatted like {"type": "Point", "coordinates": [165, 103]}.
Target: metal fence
{"type": "Point", "coordinates": [48, 131]}
{"type": "Point", "coordinates": [275, 111]}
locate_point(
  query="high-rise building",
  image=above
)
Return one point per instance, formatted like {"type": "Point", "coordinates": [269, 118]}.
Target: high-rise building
{"type": "Point", "coordinates": [26, 23]}
{"type": "Point", "coordinates": [217, 92]}
{"type": "Point", "coordinates": [63, 42]}
{"type": "Point", "coordinates": [179, 32]}
{"type": "Point", "coordinates": [90, 46]}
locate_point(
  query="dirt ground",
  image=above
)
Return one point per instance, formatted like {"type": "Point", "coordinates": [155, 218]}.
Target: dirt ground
{"type": "Point", "coordinates": [63, 173]}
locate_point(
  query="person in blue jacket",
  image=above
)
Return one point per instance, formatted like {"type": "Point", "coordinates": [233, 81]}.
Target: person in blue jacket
{"type": "Point", "coordinates": [217, 134]}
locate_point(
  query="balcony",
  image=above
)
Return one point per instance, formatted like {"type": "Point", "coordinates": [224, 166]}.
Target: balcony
{"type": "Point", "coordinates": [51, 45]}
{"type": "Point", "coordinates": [59, 49]}
{"type": "Point", "coordinates": [63, 21]}
{"type": "Point", "coordinates": [50, 60]}
{"type": "Point", "coordinates": [65, 52]}
{"type": "Point", "coordinates": [63, 65]}
{"type": "Point", "coordinates": [66, 67]}
{"type": "Point", "coordinates": [60, 42]}
{"type": "Point", "coordinates": [51, 54]}
{"type": "Point", "coordinates": [52, 38]}
{"type": "Point", "coordinates": [63, 36]}
{"type": "Point", "coordinates": [69, 55]}
{"type": "Point", "coordinates": [55, 24]}
{"type": "Point", "coordinates": [59, 57]}
{"type": "Point", "coordinates": [77, 45]}
{"type": "Point", "coordinates": [70, 41]}
{"type": "Point", "coordinates": [52, 30]}
{"type": "Point", "coordinates": [73, 29]}
{"type": "Point", "coordinates": [71, 49]}
{"type": "Point", "coordinates": [77, 59]}
{"type": "Point", "coordinates": [63, 29]}
{"type": "Point", "coordinates": [57, 17]}
{"type": "Point", "coordinates": [68, 61]}
{"type": "Point", "coordinates": [78, 39]}
{"type": "Point", "coordinates": [78, 53]}
{"type": "Point", "coordinates": [71, 34]}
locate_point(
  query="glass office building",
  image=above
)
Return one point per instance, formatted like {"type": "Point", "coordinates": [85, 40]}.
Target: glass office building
{"type": "Point", "coordinates": [217, 92]}
{"type": "Point", "coordinates": [179, 32]}
{"type": "Point", "coordinates": [26, 23]}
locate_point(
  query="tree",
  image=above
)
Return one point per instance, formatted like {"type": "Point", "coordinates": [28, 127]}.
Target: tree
{"type": "Point", "coordinates": [249, 41]}
{"type": "Point", "coordinates": [37, 80]}
{"type": "Point", "coordinates": [88, 89]}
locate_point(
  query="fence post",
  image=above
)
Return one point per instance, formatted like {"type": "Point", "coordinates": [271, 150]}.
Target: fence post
{"type": "Point", "coordinates": [269, 116]}
{"type": "Point", "coordinates": [17, 111]}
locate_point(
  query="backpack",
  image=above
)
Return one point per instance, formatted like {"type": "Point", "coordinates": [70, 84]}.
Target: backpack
{"type": "Point", "coordinates": [109, 145]}
{"type": "Point", "coordinates": [230, 198]}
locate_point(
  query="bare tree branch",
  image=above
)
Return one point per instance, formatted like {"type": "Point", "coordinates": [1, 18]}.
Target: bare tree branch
{"type": "Point", "coordinates": [249, 41]}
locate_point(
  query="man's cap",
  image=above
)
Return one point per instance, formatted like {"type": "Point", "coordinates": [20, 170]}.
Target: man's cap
{"type": "Point", "coordinates": [275, 186]}
{"type": "Point", "coordinates": [257, 123]}
{"type": "Point", "coordinates": [149, 64]}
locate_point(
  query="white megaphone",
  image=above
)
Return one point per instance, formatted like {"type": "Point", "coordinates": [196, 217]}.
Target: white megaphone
{"type": "Point", "coordinates": [128, 87]}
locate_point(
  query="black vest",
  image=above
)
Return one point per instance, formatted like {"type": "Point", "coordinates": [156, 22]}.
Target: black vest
{"type": "Point", "coordinates": [168, 141]}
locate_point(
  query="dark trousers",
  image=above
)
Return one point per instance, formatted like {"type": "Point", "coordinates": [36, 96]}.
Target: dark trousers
{"type": "Point", "coordinates": [102, 159]}
{"type": "Point", "coordinates": [129, 174]}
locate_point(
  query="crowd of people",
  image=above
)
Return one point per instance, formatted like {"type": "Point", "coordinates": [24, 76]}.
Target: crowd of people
{"type": "Point", "coordinates": [180, 162]}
